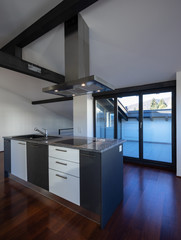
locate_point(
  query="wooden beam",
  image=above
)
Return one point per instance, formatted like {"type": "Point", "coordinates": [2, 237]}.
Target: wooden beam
{"type": "Point", "coordinates": [16, 64]}
{"type": "Point", "coordinates": [61, 13]}
{"type": "Point", "coordinates": [52, 100]}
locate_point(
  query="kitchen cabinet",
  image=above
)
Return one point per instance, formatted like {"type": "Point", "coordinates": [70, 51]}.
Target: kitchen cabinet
{"type": "Point", "coordinates": [37, 164]}
{"type": "Point", "coordinates": [64, 185]}
{"type": "Point", "coordinates": [101, 181]}
{"type": "Point", "coordinates": [90, 181]}
{"type": "Point", "coordinates": [90, 176]}
{"type": "Point", "coordinates": [7, 157]}
{"type": "Point", "coordinates": [19, 159]}
{"type": "Point", "coordinates": [64, 176]}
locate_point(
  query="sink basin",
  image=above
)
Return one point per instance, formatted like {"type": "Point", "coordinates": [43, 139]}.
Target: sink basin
{"type": "Point", "coordinates": [30, 136]}
{"type": "Point", "coordinates": [35, 137]}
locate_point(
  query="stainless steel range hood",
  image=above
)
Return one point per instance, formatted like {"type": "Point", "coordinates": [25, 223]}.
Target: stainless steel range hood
{"type": "Point", "coordinates": [77, 78]}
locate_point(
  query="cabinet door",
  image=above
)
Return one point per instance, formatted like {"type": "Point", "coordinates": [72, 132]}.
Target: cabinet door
{"type": "Point", "coordinates": [7, 157]}
{"type": "Point", "coordinates": [90, 181]}
{"type": "Point", "coordinates": [19, 159]}
{"type": "Point", "coordinates": [37, 163]}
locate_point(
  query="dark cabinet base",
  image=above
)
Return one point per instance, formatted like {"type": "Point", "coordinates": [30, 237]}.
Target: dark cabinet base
{"type": "Point", "coordinates": [7, 157]}
{"type": "Point", "coordinates": [90, 182]}
{"type": "Point", "coordinates": [37, 164]}
{"type": "Point", "coordinates": [101, 182]}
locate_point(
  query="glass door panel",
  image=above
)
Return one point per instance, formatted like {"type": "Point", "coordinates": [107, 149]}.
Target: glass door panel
{"type": "Point", "coordinates": [128, 125]}
{"type": "Point", "coordinates": [157, 127]}
{"type": "Point", "coordinates": [105, 118]}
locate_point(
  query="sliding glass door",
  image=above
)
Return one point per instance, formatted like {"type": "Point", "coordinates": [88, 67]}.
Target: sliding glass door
{"type": "Point", "coordinates": [128, 124]}
{"type": "Point", "coordinates": [145, 119]}
{"type": "Point", "coordinates": [157, 127]}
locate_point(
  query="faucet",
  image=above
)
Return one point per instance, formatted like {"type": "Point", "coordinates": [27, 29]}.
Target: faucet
{"type": "Point", "coordinates": [43, 133]}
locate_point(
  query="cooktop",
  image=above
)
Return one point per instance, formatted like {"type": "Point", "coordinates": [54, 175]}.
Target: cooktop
{"type": "Point", "coordinates": [76, 141]}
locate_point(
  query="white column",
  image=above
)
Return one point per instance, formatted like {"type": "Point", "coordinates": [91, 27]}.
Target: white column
{"type": "Point", "coordinates": [178, 114]}
{"type": "Point", "coordinates": [83, 115]}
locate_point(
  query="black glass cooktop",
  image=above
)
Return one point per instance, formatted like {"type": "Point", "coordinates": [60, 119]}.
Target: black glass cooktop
{"type": "Point", "coordinates": [76, 141]}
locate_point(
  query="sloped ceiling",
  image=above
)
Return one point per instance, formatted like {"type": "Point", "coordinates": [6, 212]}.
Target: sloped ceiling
{"type": "Point", "coordinates": [132, 42]}
{"type": "Point", "coordinates": [17, 15]}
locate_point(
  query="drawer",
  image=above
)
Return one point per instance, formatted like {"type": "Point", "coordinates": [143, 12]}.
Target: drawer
{"type": "Point", "coordinates": [65, 186]}
{"type": "Point", "coordinates": [64, 153]}
{"type": "Point", "coordinates": [65, 166]}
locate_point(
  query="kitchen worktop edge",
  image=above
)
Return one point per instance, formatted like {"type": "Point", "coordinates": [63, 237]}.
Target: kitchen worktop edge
{"type": "Point", "coordinates": [97, 144]}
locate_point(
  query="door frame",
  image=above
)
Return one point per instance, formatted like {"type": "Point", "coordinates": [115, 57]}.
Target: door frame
{"type": "Point", "coordinates": [140, 91]}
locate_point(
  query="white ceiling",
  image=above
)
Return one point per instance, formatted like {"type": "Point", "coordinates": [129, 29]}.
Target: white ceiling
{"type": "Point", "coordinates": [132, 42]}
{"type": "Point", "coordinates": [17, 15]}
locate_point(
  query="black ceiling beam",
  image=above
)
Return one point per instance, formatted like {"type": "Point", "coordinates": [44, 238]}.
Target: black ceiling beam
{"type": "Point", "coordinates": [16, 64]}
{"type": "Point", "coordinates": [52, 100]}
{"type": "Point", "coordinates": [15, 51]}
{"type": "Point", "coordinates": [61, 13]}
{"type": "Point", "coordinates": [134, 89]}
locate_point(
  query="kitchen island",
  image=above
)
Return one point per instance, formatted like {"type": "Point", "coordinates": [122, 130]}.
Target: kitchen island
{"type": "Point", "coordinates": [85, 173]}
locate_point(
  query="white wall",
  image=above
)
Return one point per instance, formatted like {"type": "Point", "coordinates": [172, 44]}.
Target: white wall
{"type": "Point", "coordinates": [48, 50]}
{"type": "Point", "coordinates": [83, 116]}
{"type": "Point", "coordinates": [178, 111]}
{"type": "Point", "coordinates": [18, 116]}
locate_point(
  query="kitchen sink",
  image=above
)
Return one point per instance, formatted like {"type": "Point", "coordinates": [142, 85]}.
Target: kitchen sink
{"type": "Point", "coordinates": [35, 137]}
{"type": "Point", "coordinates": [30, 136]}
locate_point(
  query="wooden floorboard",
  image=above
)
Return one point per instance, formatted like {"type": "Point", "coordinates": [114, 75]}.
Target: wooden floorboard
{"type": "Point", "coordinates": [151, 210]}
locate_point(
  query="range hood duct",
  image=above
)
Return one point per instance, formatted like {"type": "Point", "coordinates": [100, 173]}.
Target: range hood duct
{"type": "Point", "coordinates": [77, 78]}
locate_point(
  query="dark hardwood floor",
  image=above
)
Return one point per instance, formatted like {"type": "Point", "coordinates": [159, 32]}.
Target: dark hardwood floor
{"type": "Point", "coordinates": [151, 210]}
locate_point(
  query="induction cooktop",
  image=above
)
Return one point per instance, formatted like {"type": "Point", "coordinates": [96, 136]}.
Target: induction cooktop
{"type": "Point", "coordinates": [75, 141]}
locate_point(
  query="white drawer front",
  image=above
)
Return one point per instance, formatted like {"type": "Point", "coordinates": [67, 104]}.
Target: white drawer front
{"type": "Point", "coordinates": [65, 166]}
{"type": "Point", "coordinates": [65, 186]}
{"type": "Point", "coordinates": [64, 153]}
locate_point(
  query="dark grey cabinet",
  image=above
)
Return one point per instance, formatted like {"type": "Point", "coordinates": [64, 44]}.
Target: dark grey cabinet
{"type": "Point", "coordinates": [37, 164]}
{"type": "Point", "coordinates": [7, 157]}
{"type": "Point", "coordinates": [90, 181]}
{"type": "Point", "coordinates": [101, 182]}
